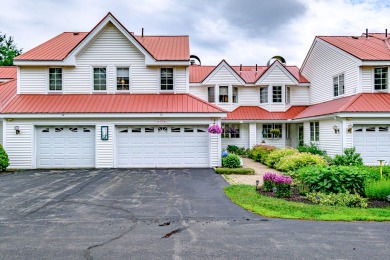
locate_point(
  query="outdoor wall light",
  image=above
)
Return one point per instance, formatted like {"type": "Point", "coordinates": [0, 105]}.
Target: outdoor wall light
{"type": "Point", "coordinates": [349, 128]}
{"type": "Point", "coordinates": [17, 130]}
{"type": "Point", "coordinates": [336, 129]}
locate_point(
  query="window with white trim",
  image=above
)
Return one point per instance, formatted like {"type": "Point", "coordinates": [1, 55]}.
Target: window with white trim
{"type": "Point", "coordinates": [230, 131]}
{"type": "Point", "coordinates": [55, 79]}
{"type": "Point", "coordinates": [268, 133]}
{"type": "Point", "coordinates": [338, 85]}
{"type": "Point", "coordinates": [264, 95]}
{"type": "Point", "coordinates": [211, 94]}
{"type": "Point", "coordinates": [166, 77]}
{"type": "Point", "coordinates": [235, 95]}
{"type": "Point", "coordinates": [314, 131]}
{"type": "Point", "coordinates": [223, 94]}
{"type": "Point", "coordinates": [277, 94]}
{"type": "Point", "coordinates": [122, 79]}
{"type": "Point", "coordinates": [288, 95]}
{"type": "Point", "coordinates": [380, 78]}
{"type": "Point", "coordinates": [99, 78]}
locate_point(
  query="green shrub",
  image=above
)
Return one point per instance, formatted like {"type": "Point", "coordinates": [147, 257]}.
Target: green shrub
{"type": "Point", "coordinates": [312, 148]}
{"type": "Point", "coordinates": [340, 199]}
{"type": "Point", "coordinates": [333, 179]}
{"type": "Point", "coordinates": [237, 150]}
{"type": "Point", "coordinates": [299, 160]}
{"type": "Point", "coordinates": [377, 189]}
{"type": "Point", "coordinates": [231, 161]}
{"type": "Point", "coordinates": [275, 156]}
{"type": "Point", "coordinates": [374, 172]}
{"type": "Point", "coordinates": [349, 158]}
{"type": "Point", "coordinates": [4, 160]}
{"type": "Point", "coordinates": [260, 153]}
{"type": "Point", "coordinates": [242, 171]}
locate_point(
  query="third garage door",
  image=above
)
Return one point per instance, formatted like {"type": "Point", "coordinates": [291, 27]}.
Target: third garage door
{"type": "Point", "coordinates": [162, 146]}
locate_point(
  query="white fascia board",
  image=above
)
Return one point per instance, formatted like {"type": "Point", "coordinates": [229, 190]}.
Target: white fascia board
{"type": "Point", "coordinates": [313, 118]}
{"type": "Point", "coordinates": [365, 115]}
{"type": "Point", "coordinates": [375, 63]}
{"type": "Point", "coordinates": [196, 85]}
{"type": "Point", "coordinates": [116, 115]}
{"type": "Point", "coordinates": [256, 121]}
{"type": "Point", "coordinates": [69, 62]}
{"type": "Point", "coordinates": [154, 63]}
{"type": "Point", "coordinates": [216, 70]}
{"type": "Point", "coordinates": [279, 65]}
{"type": "Point", "coordinates": [303, 84]}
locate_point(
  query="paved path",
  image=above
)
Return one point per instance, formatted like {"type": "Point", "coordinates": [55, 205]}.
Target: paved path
{"type": "Point", "coordinates": [260, 170]}
{"type": "Point", "coordinates": [160, 214]}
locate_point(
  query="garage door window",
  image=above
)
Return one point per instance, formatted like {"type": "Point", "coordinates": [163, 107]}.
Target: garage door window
{"type": "Point", "coordinates": [370, 129]}
{"type": "Point", "coordinates": [162, 129]}
{"type": "Point", "coordinates": [149, 129]}
{"type": "Point", "coordinates": [188, 130]}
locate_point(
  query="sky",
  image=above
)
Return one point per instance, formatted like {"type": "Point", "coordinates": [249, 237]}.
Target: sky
{"type": "Point", "coordinates": [244, 32]}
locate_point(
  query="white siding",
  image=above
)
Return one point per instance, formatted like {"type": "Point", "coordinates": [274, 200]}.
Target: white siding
{"type": "Point", "coordinates": [252, 135]}
{"type": "Point", "coordinates": [367, 79]}
{"type": "Point", "coordinates": [105, 148]}
{"type": "Point", "coordinates": [77, 80]}
{"type": "Point", "coordinates": [277, 76]}
{"type": "Point", "coordinates": [33, 80]}
{"type": "Point", "coordinates": [223, 77]}
{"type": "Point", "coordinates": [1, 132]}
{"type": "Point", "coordinates": [322, 65]}
{"type": "Point", "coordinates": [19, 146]}
{"type": "Point", "coordinates": [299, 95]}
{"type": "Point", "coordinates": [180, 80]}
{"type": "Point", "coordinates": [243, 141]}
{"type": "Point", "coordinates": [330, 141]}
{"type": "Point", "coordinates": [248, 96]}
{"type": "Point", "coordinates": [200, 92]}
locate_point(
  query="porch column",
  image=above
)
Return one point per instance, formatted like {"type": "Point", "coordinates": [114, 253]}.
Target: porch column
{"type": "Point", "coordinates": [252, 135]}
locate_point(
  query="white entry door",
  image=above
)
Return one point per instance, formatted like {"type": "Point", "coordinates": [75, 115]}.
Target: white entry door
{"type": "Point", "coordinates": [65, 147]}
{"type": "Point", "coordinates": [162, 146]}
{"type": "Point", "coordinates": [372, 142]}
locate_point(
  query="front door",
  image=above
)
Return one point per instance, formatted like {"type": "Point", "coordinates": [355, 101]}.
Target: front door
{"type": "Point", "coordinates": [300, 135]}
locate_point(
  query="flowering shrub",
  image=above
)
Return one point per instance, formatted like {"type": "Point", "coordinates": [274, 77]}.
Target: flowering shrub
{"type": "Point", "coordinates": [280, 182]}
{"type": "Point", "coordinates": [339, 199]}
{"type": "Point", "coordinates": [214, 129]}
{"type": "Point", "coordinates": [275, 156]}
{"type": "Point", "coordinates": [260, 153]}
{"type": "Point", "coordinates": [299, 160]}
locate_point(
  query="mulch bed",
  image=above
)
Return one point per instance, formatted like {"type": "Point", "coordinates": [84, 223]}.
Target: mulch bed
{"type": "Point", "coordinates": [295, 196]}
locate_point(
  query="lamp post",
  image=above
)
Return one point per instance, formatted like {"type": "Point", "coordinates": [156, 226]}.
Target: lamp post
{"type": "Point", "coordinates": [380, 167]}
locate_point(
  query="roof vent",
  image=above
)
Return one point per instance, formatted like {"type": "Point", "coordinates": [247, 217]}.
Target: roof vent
{"type": "Point", "coordinates": [279, 58]}
{"type": "Point", "coordinates": [355, 37]}
{"type": "Point", "coordinates": [76, 33]}
{"type": "Point", "coordinates": [193, 59]}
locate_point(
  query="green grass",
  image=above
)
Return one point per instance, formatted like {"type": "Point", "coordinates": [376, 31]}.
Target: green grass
{"type": "Point", "coordinates": [247, 197]}
{"type": "Point", "coordinates": [378, 189]}
{"type": "Point", "coordinates": [242, 171]}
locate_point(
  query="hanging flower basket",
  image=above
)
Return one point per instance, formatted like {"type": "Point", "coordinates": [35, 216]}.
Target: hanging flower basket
{"type": "Point", "coordinates": [214, 129]}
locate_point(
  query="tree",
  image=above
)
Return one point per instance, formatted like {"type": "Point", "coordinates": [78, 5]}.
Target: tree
{"type": "Point", "coordinates": [8, 50]}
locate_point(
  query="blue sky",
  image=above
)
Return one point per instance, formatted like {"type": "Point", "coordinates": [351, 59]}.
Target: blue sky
{"type": "Point", "coordinates": [240, 31]}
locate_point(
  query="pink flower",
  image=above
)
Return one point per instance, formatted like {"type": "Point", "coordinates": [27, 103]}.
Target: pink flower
{"type": "Point", "coordinates": [214, 129]}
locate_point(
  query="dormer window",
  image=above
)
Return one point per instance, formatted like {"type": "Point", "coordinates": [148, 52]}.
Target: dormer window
{"type": "Point", "coordinates": [99, 79]}
{"type": "Point", "coordinates": [338, 85]}
{"type": "Point", "coordinates": [223, 94]}
{"type": "Point", "coordinates": [55, 79]}
{"type": "Point", "coordinates": [166, 78]}
{"type": "Point", "coordinates": [122, 79]}
{"type": "Point", "coordinates": [380, 78]}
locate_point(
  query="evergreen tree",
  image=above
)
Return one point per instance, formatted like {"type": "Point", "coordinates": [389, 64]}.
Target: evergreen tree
{"type": "Point", "coordinates": [8, 50]}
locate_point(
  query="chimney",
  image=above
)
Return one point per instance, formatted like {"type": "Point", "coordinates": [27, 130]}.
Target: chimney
{"type": "Point", "coordinates": [142, 33]}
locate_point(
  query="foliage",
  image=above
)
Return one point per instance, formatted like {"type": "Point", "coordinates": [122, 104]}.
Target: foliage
{"type": "Point", "coordinates": [349, 158]}
{"type": "Point", "coordinates": [242, 171]}
{"type": "Point", "coordinates": [340, 199]}
{"type": "Point", "coordinates": [275, 132]}
{"type": "Point", "coordinates": [299, 160]}
{"type": "Point", "coordinates": [268, 181]}
{"type": "Point", "coordinates": [260, 153]}
{"type": "Point", "coordinates": [237, 150]}
{"type": "Point", "coordinates": [312, 148]}
{"type": "Point", "coordinates": [374, 171]}
{"type": "Point", "coordinates": [377, 189]}
{"type": "Point", "coordinates": [280, 182]}
{"type": "Point", "coordinates": [248, 198]}
{"type": "Point", "coordinates": [4, 161]}
{"type": "Point", "coordinates": [214, 129]}
{"type": "Point", "coordinates": [231, 161]}
{"type": "Point", "coordinates": [8, 50]}
{"type": "Point", "coordinates": [334, 179]}
{"type": "Point", "coordinates": [275, 156]}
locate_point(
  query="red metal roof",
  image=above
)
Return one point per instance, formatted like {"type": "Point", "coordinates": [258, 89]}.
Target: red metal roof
{"type": "Point", "coordinates": [247, 73]}
{"type": "Point", "coordinates": [7, 92]}
{"type": "Point", "coordinates": [8, 72]}
{"type": "Point", "coordinates": [167, 47]}
{"type": "Point", "coordinates": [109, 103]}
{"type": "Point", "coordinates": [258, 113]}
{"type": "Point", "coordinates": [373, 47]}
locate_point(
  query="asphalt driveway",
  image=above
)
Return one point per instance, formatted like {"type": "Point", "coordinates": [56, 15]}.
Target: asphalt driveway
{"type": "Point", "coordinates": [160, 214]}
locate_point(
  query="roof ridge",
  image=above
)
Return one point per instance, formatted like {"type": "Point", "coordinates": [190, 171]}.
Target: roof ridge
{"type": "Point", "coordinates": [203, 101]}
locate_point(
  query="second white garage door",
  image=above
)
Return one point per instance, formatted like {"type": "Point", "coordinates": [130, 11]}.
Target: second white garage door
{"type": "Point", "coordinates": [162, 146]}
{"type": "Point", "coordinates": [372, 142]}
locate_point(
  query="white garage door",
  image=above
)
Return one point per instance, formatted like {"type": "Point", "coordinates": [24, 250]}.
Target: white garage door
{"type": "Point", "coordinates": [65, 147]}
{"type": "Point", "coordinates": [372, 142]}
{"type": "Point", "coordinates": [162, 146]}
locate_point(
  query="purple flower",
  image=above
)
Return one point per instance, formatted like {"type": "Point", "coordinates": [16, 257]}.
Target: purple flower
{"type": "Point", "coordinates": [277, 179]}
{"type": "Point", "coordinates": [269, 176]}
{"type": "Point", "coordinates": [214, 129]}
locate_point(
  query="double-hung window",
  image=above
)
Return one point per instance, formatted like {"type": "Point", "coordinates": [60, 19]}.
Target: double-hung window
{"type": "Point", "coordinates": [264, 95]}
{"type": "Point", "coordinates": [230, 131]}
{"type": "Point", "coordinates": [211, 94]}
{"type": "Point", "coordinates": [55, 79]}
{"type": "Point", "coordinates": [314, 131]}
{"type": "Point", "coordinates": [223, 94]}
{"type": "Point", "coordinates": [122, 79]}
{"type": "Point", "coordinates": [99, 79]}
{"type": "Point", "coordinates": [166, 76]}
{"type": "Point", "coordinates": [288, 95]}
{"type": "Point", "coordinates": [277, 94]}
{"type": "Point", "coordinates": [338, 85]}
{"type": "Point", "coordinates": [380, 78]}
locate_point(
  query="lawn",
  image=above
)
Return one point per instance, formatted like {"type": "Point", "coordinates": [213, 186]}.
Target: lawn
{"type": "Point", "coordinates": [247, 197]}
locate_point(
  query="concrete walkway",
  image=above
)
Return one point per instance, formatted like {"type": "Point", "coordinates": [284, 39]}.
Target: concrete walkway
{"type": "Point", "coordinates": [260, 170]}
